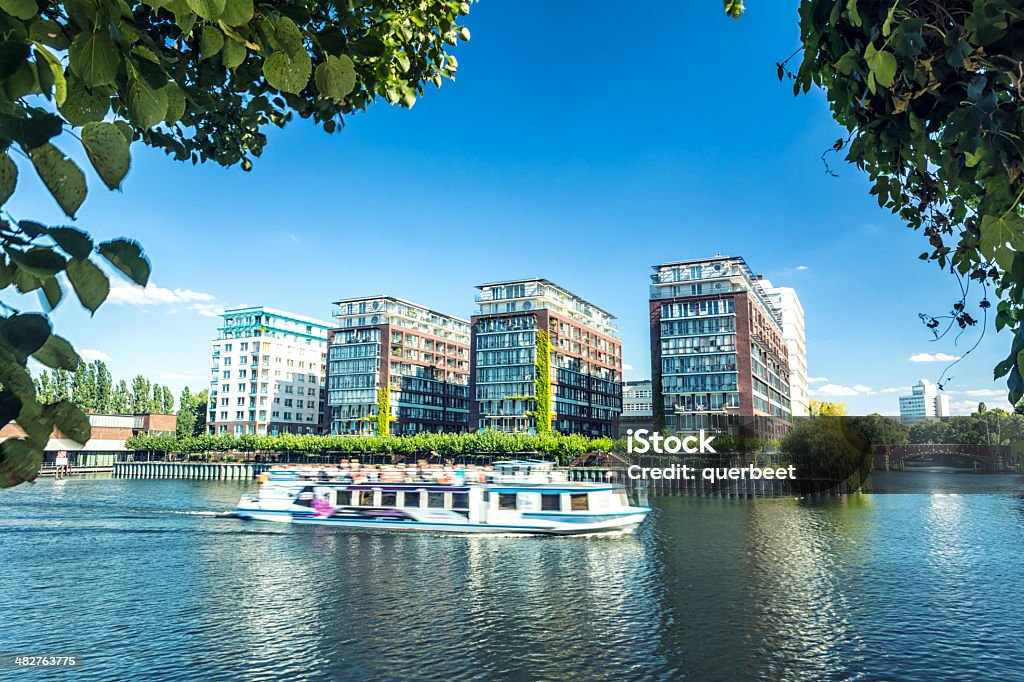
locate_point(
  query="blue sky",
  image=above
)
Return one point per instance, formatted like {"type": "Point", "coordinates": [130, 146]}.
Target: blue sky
{"type": "Point", "coordinates": [573, 146]}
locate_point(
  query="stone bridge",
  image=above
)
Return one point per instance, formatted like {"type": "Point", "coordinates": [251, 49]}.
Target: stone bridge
{"type": "Point", "coordinates": [990, 457]}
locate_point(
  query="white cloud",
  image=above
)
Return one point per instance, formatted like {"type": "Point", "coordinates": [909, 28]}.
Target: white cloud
{"type": "Point", "coordinates": [90, 354]}
{"type": "Point", "coordinates": [958, 407]}
{"type": "Point", "coordinates": [817, 380]}
{"type": "Point", "coordinates": [839, 390]}
{"type": "Point", "coordinates": [801, 267]}
{"type": "Point", "coordinates": [207, 309]}
{"type": "Point", "coordinates": [933, 357]}
{"type": "Point", "coordinates": [896, 389]}
{"type": "Point", "coordinates": [992, 392]}
{"type": "Point", "coordinates": [126, 293]}
{"type": "Point", "coordinates": [626, 367]}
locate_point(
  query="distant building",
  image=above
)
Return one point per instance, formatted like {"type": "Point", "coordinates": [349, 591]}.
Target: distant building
{"type": "Point", "coordinates": [106, 445]}
{"type": "Point", "coordinates": [924, 402]}
{"type": "Point", "coordinates": [637, 407]}
{"type": "Point", "coordinates": [718, 357]}
{"type": "Point", "coordinates": [267, 373]}
{"type": "Point", "coordinates": [586, 359]}
{"type": "Point", "coordinates": [421, 356]}
{"type": "Point", "coordinates": [788, 303]}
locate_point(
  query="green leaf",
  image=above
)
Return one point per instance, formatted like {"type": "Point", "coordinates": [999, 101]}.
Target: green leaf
{"type": "Point", "coordinates": [20, 461]}
{"type": "Point", "coordinates": [288, 73]}
{"type": "Point", "coordinates": [70, 420]}
{"type": "Point", "coordinates": [48, 33]}
{"type": "Point", "coordinates": [61, 176]}
{"type": "Point", "coordinates": [887, 24]}
{"type": "Point", "coordinates": [146, 107]}
{"type": "Point", "coordinates": [210, 10]}
{"type": "Point", "coordinates": [175, 103]}
{"type": "Point", "coordinates": [31, 132]}
{"type": "Point", "coordinates": [998, 235]}
{"type": "Point", "coordinates": [58, 354]}
{"type": "Point", "coordinates": [75, 243]}
{"type": "Point", "coordinates": [851, 8]}
{"type": "Point", "coordinates": [128, 257]}
{"type": "Point", "coordinates": [10, 406]}
{"type": "Point", "coordinates": [22, 9]}
{"type": "Point", "coordinates": [8, 177]}
{"type": "Point", "coordinates": [289, 35]}
{"type": "Point", "coordinates": [370, 46]}
{"type": "Point", "coordinates": [848, 62]}
{"type": "Point", "coordinates": [108, 151]}
{"type": "Point", "coordinates": [84, 104]}
{"type": "Point", "coordinates": [233, 54]}
{"type": "Point", "coordinates": [25, 333]}
{"type": "Point", "coordinates": [237, 12]}
{"type": "Point", "coordinates": [882, 65]}
{"type": "Point", "coordinates": [125, 130]}
{"type": "Point", "coordinates": [57, 69]}
{"type": "Point", "coordinates": [211, 42]}
{"type": "Point", "coordinates": [52, 292]}
{"type": "Point", "coordinates": [39, 261]}
{"type": "Point", "coordinates": [336, 77]}
{"type": "Point", "coordinates": [94, 58]}
{"type": "Point", "coordinates": [90, 284]}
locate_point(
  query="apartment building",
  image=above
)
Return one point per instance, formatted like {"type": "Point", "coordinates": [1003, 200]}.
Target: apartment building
{"type": "Point", "coordinates": [924, 402]}
{"type": "Point", "coordinates": [579, 382]}
{"type": "Point", "coordinates": [718, 357]}
{"type": "Point", "coordinates": [787, 302]}
{"type": "Point", "coordinates": [267, 373]}
{"type": "Point", "coordinates": [389, 355]}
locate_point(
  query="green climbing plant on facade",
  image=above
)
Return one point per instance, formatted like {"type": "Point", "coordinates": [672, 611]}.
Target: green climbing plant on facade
{"type": "Point", "coordinates": [384, 417]}
{"type": "Point", "coordinates": [542, 381]}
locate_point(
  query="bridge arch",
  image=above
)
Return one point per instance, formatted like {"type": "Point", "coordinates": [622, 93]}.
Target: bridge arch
{"type": "Point", "coordinates": [992, 457]}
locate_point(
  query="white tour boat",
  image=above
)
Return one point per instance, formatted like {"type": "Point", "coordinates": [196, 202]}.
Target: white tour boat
{"type": "Point", "coordinates": [518, 497]}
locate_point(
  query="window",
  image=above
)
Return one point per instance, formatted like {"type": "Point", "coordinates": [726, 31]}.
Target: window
{"type": "Point", "coordinates": [579, 502]}
{"type": "Point", "coordinates": [364, 498]}
{"type": "Point", "coordinates": [506, 500]}
{"type": "Point", "coordinates": [389, 499]}
{"type": "Point", "coordinates": [227, 374]}
{"type": "Point", "coordinates": [435, 500]}
{"type": "Point", "coordinates": [412, 499]}
{"type": "Point", "coordinates": [551, 503]}
{"type": "Point", "coordinates": [460, 500]}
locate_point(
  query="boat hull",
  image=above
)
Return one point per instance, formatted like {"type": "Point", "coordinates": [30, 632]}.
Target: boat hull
{"type": "Point", "coordinates": [616, 523]}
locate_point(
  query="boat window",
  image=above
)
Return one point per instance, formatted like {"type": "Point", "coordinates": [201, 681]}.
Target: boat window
{"type": "Point", "coordinates": [435, 500]}
{"type": "Point", "coordinates": [389, 499]}
{"type": "Point", "coordinates": [412, 499]}
{"type": "Point", "coordinates": [460, 500]}
{"type": "Point", "coordinates": [365, 498]}
{"type": "Point", "coordinates": [579, 502]}
{"type": "Point", "coordinates": [551, 502]}
{"type": "Point", "coordinates": [506, 500]}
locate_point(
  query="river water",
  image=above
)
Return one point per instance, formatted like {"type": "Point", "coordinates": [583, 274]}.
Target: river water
{"type": "Point", "coordinates": [146, 580]}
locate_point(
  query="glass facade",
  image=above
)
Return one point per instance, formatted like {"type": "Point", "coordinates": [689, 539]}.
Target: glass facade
{"type": "Point", "coordinates": [421, 356]}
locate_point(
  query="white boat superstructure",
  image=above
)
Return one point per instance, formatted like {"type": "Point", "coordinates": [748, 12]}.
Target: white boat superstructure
{"type": "Point", "coordinates": [517, 497]}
